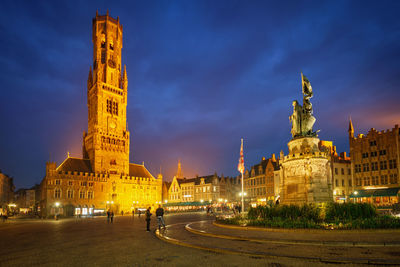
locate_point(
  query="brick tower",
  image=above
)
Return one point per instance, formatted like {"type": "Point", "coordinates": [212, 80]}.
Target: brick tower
{"type": "Point", "coordinates": [106, 143]}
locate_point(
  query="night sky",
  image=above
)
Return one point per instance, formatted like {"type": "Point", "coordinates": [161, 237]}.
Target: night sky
{"type": "Point", "coordinates": [202, 75]}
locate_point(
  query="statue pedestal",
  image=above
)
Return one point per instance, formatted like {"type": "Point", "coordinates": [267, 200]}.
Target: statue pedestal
{"type": "Point", "coordinates": [305, 173]}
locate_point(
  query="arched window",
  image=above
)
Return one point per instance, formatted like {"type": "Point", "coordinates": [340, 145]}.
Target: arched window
{"type": "Point", "coordinates": [103, 40]}
{"type": "Point", "coordinates": [82, 194]}
{"type": "Point", "coordinates": [70, 193]}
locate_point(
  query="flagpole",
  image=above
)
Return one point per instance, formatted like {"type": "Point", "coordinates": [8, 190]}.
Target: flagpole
{"type": "Point", "coordinates": [242, 194]}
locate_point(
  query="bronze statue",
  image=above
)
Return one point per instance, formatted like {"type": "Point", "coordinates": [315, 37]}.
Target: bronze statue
{"type": "Point", "coordinates": [302, 118]}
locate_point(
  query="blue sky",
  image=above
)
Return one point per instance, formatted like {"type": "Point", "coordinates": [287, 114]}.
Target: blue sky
{"type": "Point", "coordinates": [202, 75]}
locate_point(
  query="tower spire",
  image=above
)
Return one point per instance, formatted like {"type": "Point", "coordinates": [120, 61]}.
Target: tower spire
{"type": "Point", "coordinates": [351, 129]}
{"type": "Point", "coordinates": [124, 79]}
{"type": "Point", "coordinates": [90, 78]}
{"type": "Point", "coordinates": [179, 172]}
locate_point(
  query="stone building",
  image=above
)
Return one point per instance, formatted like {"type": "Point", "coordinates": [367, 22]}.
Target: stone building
{"type": "Point", "coordinates": [103, 178]}
{"type": "Point", "coordinates": [201, 189]}
{"type": "Point", "coordinates": [375, 160]}
{"type": "Point", "coordinates": [260, 183]}
{"type": "Point", "coordinates": [6, 190]}
{"type": "Point", "coordinates": [340, 172]}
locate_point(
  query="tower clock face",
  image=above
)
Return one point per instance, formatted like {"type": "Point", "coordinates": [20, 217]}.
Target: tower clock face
{"type": "Point", "coordinates": [113, 125]}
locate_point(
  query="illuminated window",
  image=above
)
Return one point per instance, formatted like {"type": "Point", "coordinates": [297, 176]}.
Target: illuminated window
{"type": "Point", "coordinates": [111, 44]}
{"type": "Point", "coordinates": [57, 193]}
{"type": "Point", "coordinates": [77, 211]}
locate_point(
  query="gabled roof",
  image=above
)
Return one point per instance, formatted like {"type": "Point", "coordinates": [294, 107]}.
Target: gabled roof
{"type": "Point", "coordinates": [75, 165]}
{"type": "Point", "coordinates": [138, 170]}
{"type": "Point", "coordinates": [167, 184]}
{"type": "Point", "coordinates": [263, 164]}
{"type": "Point", "coordinates": [207, 179]}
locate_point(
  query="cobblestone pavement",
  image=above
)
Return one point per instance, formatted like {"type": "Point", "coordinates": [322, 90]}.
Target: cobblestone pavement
{"type": "Point", "coordinates": [93, 242]}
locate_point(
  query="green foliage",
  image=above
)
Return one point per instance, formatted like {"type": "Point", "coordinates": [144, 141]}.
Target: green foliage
{"type": "Point", "coordinates": [289, 212]}
{"type": "Point", "coordinates": [330, 216]}
{"type": "Point", "coordinates": [349, 211]}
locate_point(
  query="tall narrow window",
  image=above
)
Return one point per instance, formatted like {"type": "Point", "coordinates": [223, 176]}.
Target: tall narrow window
{"type": "Point", "coordinates": [57, 193]}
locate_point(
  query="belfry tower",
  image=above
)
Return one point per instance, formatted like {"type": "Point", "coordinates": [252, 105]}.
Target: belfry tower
{"type": "Point", "coordinates": [106, 143]}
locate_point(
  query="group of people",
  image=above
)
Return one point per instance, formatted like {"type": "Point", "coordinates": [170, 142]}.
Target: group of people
{"type": "Point", "coordinates": [159, 215]}
{"type": "Point", "coordinates": [148, 214]}
{"type": "Point", "coordinates": [110, 216]}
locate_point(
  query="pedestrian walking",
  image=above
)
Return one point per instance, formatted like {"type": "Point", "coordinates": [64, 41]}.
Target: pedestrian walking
{"type": "Point", "coordinates": [108, 216]}
{"type": "Point", "coordinates": [160, 217]}
{"type": "Point", "coordinates": [140, 213]}
{"type": "Point", "coordinates": [112, 216]}
{"type": "Point", "coordinates": [133, 214]}
{"type": "Point", "coordinates": [122, 213]}
{"type": "Point", "coordinates": [148, 215]}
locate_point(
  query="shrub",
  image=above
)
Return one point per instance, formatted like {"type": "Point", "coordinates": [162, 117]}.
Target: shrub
{"type": "Point", "coordinates": [349, 211]}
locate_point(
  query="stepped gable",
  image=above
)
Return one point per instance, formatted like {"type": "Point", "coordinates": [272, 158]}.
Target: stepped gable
{"type": "Point", "coordinates": [137, 170]}
{"type": "Point", "coordinates": [75, 165]}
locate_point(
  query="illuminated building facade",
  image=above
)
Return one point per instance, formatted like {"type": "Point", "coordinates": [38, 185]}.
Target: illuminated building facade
{"type": "Point", "coordinates": [260, 183]}
{"type": "Point", "coordinates": [342, 184]}
{"type": "Point", "coordinates": [103, 179]}
{"type": "Point", "coordinates": [6, 191]}
{"type": "Point", "coordinates": [375, 159]}
{"type": "Point", "coordinates": [209, 189]}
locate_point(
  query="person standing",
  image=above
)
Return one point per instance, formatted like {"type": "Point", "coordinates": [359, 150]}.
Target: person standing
{"type": "Point", "coordinates": [133, 214]}
{"type": "Point", "coordinates": [148, 215]}
{"type": "Point", "coordinates": [112, 216]}
{"type": "Point", "coordinates": [160, 217]}
{"type": "Point", "coordinates": [108, 216]}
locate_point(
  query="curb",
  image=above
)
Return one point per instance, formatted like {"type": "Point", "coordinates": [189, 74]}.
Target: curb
{"type": "Point", "coordinates": [299, 242]}
{"type": "Point", "coordinates": [294, 242]}
{"type": "Point", "coordinates": [292, 230]}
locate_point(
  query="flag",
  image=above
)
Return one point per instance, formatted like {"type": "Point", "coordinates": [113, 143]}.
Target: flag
{"type": "Point", "coordinates": [241, 160]}
{"type": "Point", "coordinates": [305, 83]}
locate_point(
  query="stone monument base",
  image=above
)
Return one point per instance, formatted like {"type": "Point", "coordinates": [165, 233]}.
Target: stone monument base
{"type": "Point", "coordinates": [305, 173]}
